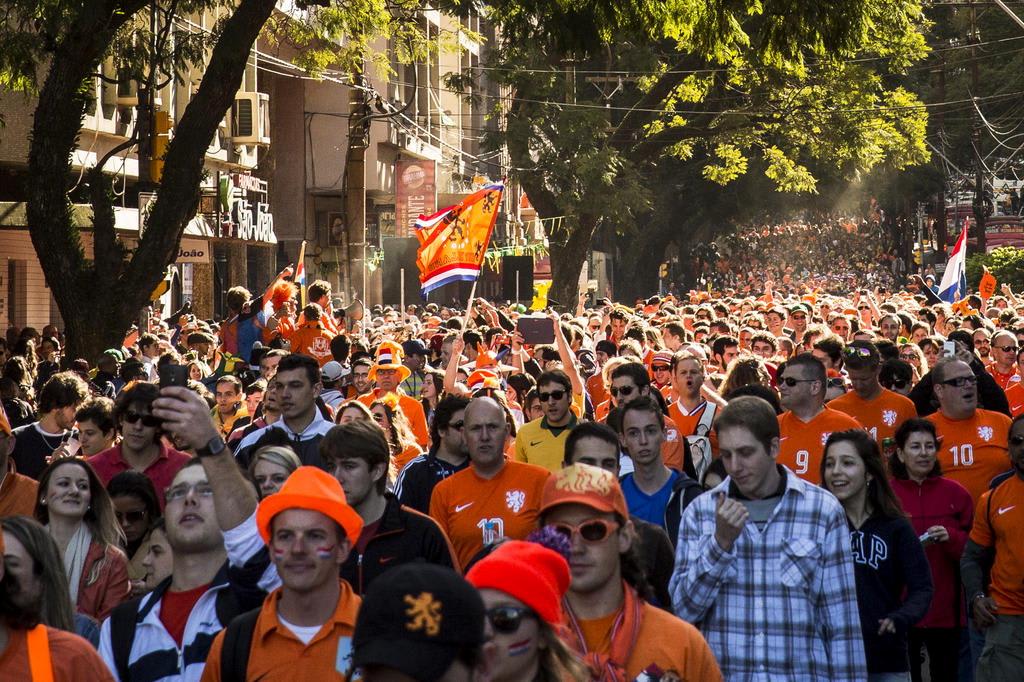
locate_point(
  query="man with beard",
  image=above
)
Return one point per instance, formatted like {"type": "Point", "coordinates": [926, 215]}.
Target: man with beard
{"type": "Point", "coordinates": [34, 443]}
{"type": "Point", "coordinates": [220, 564]}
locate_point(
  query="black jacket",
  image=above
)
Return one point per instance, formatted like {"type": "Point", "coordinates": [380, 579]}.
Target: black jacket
{"type": "Point", "coordinates": [403, 536]}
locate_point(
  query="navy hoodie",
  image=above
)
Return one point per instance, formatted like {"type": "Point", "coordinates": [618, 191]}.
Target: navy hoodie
{"type": "Point", "coordinates": [889, 563]}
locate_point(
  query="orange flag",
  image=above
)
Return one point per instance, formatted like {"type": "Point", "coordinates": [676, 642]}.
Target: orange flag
{"type": "Point", "coordinates": [987, 286]}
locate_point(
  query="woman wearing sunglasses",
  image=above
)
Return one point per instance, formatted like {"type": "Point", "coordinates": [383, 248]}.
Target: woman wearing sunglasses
{"type": "Point", "coordinates": [76, 509]}
{"type": "Point", "coordinates": [522, 585]}
{"type": "Point", "coordinates": [941, 512]}
{"type": "Point", "coordinates": [894, 587]}
{"type": "Point", "coordinates": [136, 509]}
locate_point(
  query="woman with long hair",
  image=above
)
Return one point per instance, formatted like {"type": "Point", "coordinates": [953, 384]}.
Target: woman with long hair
{"type": "Point", "coordinates": [431, 391]}
{"type": "Point", "coordinates": [912, 354]}
{"type": "Point", "coordinates": [136, 508]}
{"type": "Point", "coordinates": [894, 587]}
{"type": "Point", "coordinates": [745, 370]}
{"type": "Point", "coordinates": [942, 513]}
{"type": "Point", "coordinates": [75, 508]}
{"type": "Point", "coordinates": [401, 440]}
{"type": "Point", "coordinates": [522, 585]}
{"type": "Point", "coordinates": [271, 466]}
{"type": "Point", "coordinates": [30, 647]}
{"type": "Point", "coordinates": [352, 410]}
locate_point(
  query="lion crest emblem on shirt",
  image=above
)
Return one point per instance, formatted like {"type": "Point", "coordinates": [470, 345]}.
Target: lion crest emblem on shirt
{"type": "Point", "coordinates": [824, 436]}
{"type": "Point", "coordinates": [515, 499]}
{"type": "Point", "coordinates": [889, 417]}
{"type": "Point", "coordinates": [985, 433]}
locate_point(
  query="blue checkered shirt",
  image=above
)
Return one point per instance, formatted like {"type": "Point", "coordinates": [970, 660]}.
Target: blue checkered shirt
{"type": "Point", "coordinates": [783, 603]}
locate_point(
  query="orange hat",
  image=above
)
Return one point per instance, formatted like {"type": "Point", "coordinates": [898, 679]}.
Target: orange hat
{"type": "Point", "coordinates": [587, 485]}
{"type": "Point", "coordinates": [533, 574]}
{"type": "Point", "coordinates": [390, 399]}
{"type": "Point", "coordinates": [432, 321]}
{"type": "Point", "coordinates": [310, 488]}
{"type": "Point", "coordinates": [486, 359]}
{"type": "Point", "coordinates": [483, 378]}
{"type": "Point", "coordinates": [389, 356]}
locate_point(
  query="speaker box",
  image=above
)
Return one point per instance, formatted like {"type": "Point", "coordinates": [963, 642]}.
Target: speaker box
{"type": "Point", "coordinates": [400, 252]}
{"type": "Point", "coordinates": [510, 266]}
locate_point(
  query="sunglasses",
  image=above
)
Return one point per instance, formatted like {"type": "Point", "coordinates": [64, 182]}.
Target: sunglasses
{"type": "Point", "coordinates": [660, 368]}
{"type": "Point", "coordinates": [147, 419]}
{"type": "Point", "coordinates": [857, 351]}
{"type": "Point", "coordinates": [791, 382]}
{"type": "Point", "coordinates": [1016, 440]}
{"type": "Point", "coordinates": [1007, 349]}
{"type": "Point", "coordinates": [130, 517]}
{"type": "Point", "coordinates": [554, 395]}
{"type": "Point", "coordinates": [456, 425]}
{"type": "Point", "coordinates": [624, 391]}
{"type": "Point", "coordinates": [908, 356]}
{"type": "Point", "coordinates": [863, 307]}
{"type": "Point", "coordinates": [898, 383]}
{"type": "Point", "coordinates": [798, 316]}
{"type": "Point", "coordinates": [961, 382]}
{"type": "Point", "coordinates": [593, 531]}
{"type": "Point", "coordinates": [507, 619]}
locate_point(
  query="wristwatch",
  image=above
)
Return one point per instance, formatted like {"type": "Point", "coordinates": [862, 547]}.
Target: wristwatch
{"type": "Point", "coordinates": [212, 448]}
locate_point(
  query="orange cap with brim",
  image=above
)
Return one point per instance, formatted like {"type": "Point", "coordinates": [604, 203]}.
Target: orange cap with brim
{"type": "Point", "coordinates": [310, 488]}
{"type": "Point", "coordinates": [587, 485]}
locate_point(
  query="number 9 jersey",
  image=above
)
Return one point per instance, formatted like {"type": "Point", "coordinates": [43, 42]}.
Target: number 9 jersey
{"type": "Point", "coordinates": [802, 444]}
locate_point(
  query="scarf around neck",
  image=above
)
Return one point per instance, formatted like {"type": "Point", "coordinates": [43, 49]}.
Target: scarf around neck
{"type": "Point", "coordinates": [623, 637]}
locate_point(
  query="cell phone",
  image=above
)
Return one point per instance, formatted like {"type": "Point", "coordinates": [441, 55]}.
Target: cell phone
{"type": "Point", "coordinates": [536, 329]}
{"type": "Point", "coordinates": [73, 446]}
{"type": "Point", "coordinates": [925, 537]}
{"type": "Point", "coordinates": [173, 375]}
{"type": "Point", "coordinates": [948, 349]}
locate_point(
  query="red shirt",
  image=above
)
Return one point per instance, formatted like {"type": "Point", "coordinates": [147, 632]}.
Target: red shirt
{"type": "Point", "coordinates": [175, 608]}
{"type": "Point", "coordinates": [111, 462]}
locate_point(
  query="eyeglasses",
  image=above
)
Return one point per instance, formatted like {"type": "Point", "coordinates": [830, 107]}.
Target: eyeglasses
{"type": "Point", "coordinates": [180, 492]}
{"type": "Point", "coordinates": [1016, 440]}
{"type": "Point", "coordinates": [592, 531]}
{"type": "Point", "coordinates": [554, 395]}
{"type": "Point", "coordinates": [130, 517]}
{"type": "Point", "coordinates": [147, 419]}
{"type": "Point", "coordinates": [456, 425]}
{"type": "Point", "coordinates": [624, 391]}
{"type": "Point", "coordinates": [507, 619]}
{"type": "Point", "coordinates": [961, 382]}
{"type": "Point", "coordinates": [791, 381]}
{"type": "Point", "coordinates": [660, 368]}
{"type": "Point", "coordinates": [1007, 349]}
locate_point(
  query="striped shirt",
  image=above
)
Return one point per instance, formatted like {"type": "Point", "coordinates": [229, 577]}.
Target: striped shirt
{"type": "Point", "coordinates": [783, 603]}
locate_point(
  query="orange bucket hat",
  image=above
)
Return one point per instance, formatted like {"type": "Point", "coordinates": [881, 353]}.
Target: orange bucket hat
{"type": "Point", "coordinates": [310, 488]}
{"type": "Point", "coordinates": [389, 356]}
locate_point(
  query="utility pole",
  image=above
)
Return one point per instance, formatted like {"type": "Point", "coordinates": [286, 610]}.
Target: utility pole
{"type": "Point", "coordinates": [979, 175]}
{"type": "Point", "coordinates": [355, 184]}
{"type": "Point", "coordinates": [940, 217]}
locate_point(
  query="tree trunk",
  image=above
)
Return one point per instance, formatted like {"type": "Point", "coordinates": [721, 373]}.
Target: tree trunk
{"type": "Point", "coordinates": [99, 300]}
{"type": "Point", "coordinates": [567, 262]}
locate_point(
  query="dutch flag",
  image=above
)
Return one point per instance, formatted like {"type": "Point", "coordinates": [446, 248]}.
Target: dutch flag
{"type": "Point", "coordinates": [954, 280]}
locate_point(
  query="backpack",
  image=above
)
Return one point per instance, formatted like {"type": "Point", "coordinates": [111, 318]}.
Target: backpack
{"type": "Point", "coordinates": [685, 491]}
{"type": "Point", "coordinates": [234, 654]}
{"type": "Point", "coordinates": [700, 441]}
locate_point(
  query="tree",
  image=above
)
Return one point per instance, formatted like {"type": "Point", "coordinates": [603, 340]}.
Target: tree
{"type": "Point", "coordinates": [728, 88]}
{"type": "Point", "coordinates": [99, 298]}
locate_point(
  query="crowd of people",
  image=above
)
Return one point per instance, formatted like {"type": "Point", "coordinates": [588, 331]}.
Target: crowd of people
{"type": "Point", "coordinates": [831, 254]}
{"type": "Point", "coordinates": [786, 484]}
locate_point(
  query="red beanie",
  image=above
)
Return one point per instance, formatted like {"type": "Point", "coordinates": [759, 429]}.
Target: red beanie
{"type": "Point", "coordinates": [531, 573]}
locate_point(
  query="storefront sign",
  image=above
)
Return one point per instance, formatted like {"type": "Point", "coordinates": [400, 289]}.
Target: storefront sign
{"type": "Point", "coordinates": [252, 221]}
{"type": "Point", "coordinates": [193, 251]}
{"type": "Point", "coordinates": [415, 192]}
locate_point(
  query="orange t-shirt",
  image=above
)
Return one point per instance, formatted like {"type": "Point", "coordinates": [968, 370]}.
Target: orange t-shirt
{"type": "Point", "coordinates": [407, 455]}
{"type": "Point", "coordinates": [1015, 396]}
{"type": "Point", "coordinates": [974, 450]}
{"type": "Point", "coordinates": [597, 390]}
{"type": "Point", "coordinates": [1001, 525]}
{"type": "Point", "coordinates": [663, 643]}
{"type": "Point", "coordinates": [802, 445]}
{"type": "Point", "coordinates": [277, 654]}
{"type": "Point", "coordinates": [17, 494]}
{"type": "Point", "coordinates": [882, 417]}
{"type": "Point", "coordinates": [1004, 380]}
{"type": "Point", "coordinates": [687, 423]}
{"type": "Point", "coordinates": [474, 511]}
{"type": "Point", "coordinates": [71, 658]}
{"type": "Point", "coordinates": [313, 340]}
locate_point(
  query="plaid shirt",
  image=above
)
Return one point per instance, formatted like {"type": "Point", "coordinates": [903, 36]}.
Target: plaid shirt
{"type": "Point", "coordinates": [783, 603]}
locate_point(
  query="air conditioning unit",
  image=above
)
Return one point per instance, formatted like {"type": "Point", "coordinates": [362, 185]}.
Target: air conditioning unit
{"type": "Point", "coordinates": [250, 119]}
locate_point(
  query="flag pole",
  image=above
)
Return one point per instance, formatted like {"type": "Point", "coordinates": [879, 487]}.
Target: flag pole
{"type": "Point", "coordinates": [469, 306]}
{"type": "Point", "coordinates": [301, 265]}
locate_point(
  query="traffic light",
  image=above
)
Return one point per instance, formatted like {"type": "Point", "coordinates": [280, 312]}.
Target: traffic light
{"type": "Point", "coordinates": [663, 270]}
{"type": "Point", "coordinates": [161, 138]}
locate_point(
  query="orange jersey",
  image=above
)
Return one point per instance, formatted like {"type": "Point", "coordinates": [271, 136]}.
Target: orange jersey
{"type": "Point", "coordinates": [999, 524]}
{"type": "Point", "coordinates": [474, 511]}
{"type": "Point", "coordinates": [597, 390]}
{"type": "Point", "coordinates": [802, 444]}
{"type": "Point", "coordinates": [313, 340]}
{"type": "Point", "coordinates": [1015, 396]}
{"type": "Point", "coordinates": [882, 417]}
{"type": "Point", "coordinates": [973, 450]}
{"type": "Point", "coordinates": [1004, 380]}
{"type": "Point", "coordinates": [687, 422]}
